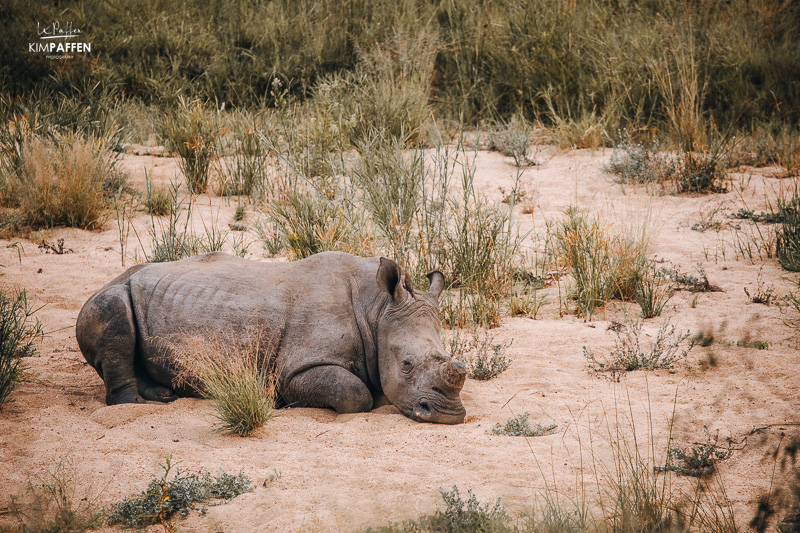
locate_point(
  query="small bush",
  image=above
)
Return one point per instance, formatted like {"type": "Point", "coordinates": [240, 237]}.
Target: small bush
{"type": "Point", "coordinates": [788, 239]}
{"type": "Point", "coordinates": [245, 171]}
{"type": "Point", "coordinates": [483, 358]}
{"type": "Point", "coordinates": [164, 497]}
{"type": "Point", "coordinates": [511, 139]}
{"type": "Point", "coordinates": [18, 332]}
{"type": "Point", "coordinates": [520, 427]}
{"type": "Point", "coordinates": [53, 504]}
{"type": "Point", "coordinates": [310, 224]}
{"type": "Point", "coordinates": [159, 201]}
{"type": "Point", "coordinates": [192, 133]}
{"type": "Point", "coordinates": [526, 303]}
{"type": "Point", "coordinates": [63, 182]}
{"type": "Point", "coordinates": [629, 355]}
{"type": "Point", "coordinates": [653, 291]}
{"type": "Point", "coordinates": [700, 173]}
{"type": "Point", "coordinates": [637, 163]}
{"type": "Point", "coordinates": [236, 376]}
{"type": "Point", "coordinates": [699, 460]}
{"type": "Point", "coordinates": [692, 282]}
{"type": "Point", "coordinates": [603, 265]}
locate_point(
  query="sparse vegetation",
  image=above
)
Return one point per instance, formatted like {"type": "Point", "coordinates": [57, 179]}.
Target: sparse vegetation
{"type": "Point", "coordinates": [193, 134]}
{"type": "Point", "coordinates": [519, 426]}
{"type": "Point", "coordinates": [762, 295]}
{"type": "Point", "coordinates": [185, 492]}
{"type": "Point", "coordinates": [638, 163]}
{"type": "Point", "coordinates": [483, 357]}
{"type": "Point", "coordinates": [653, 291]}
{"type": "Point", "coordinates": [603, 265]}
{"type": "Point", "coordinates": [699, 460]}
{"type": "Point", "coordinates": [53, 503]}
{"type": "Point", "coordinates": [18, 332]}
{"type": "Point", "coordinates": [159, 201]}
{"type": "Point", "coordinates": [238, 377]}
{"type": "Point", "coordinates": [628, 353]}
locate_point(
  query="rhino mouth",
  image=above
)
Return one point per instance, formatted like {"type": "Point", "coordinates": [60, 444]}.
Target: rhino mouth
{"type": "Point", "coordinates": [426, 410]}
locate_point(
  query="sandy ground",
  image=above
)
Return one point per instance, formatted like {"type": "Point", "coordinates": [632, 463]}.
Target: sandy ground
{"type": "Point", "coordinates": [342, 473]}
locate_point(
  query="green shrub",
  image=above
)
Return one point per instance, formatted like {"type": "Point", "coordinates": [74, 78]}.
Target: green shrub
{"type": "Point", "coordinates": [164, 497]}
{"type": "Point", "coordinates": [193, 133]}
{"type": "Point", "coordinates": [603, 265]}
{"type": "Point", "coordinates": [159, 201]}
{"type": "Point", "coordinates": [520, 427]}
{"type": "Point", "coordinates": [511, 139]}
{"type": "Point", "coordinates": [638, 163]}
{"type": "Point", "coordinates": [482, 356]}
{"type": "Point", "coordinates": [699, 460]}
{"type": "Point", "coordinates": [244, 171]}
{"type": "Point", "coordinates": [628, 354]}
{"type": "Point", "coordinates": [18, 332]}
{"type": "Point", "coordinates": [653, 290]}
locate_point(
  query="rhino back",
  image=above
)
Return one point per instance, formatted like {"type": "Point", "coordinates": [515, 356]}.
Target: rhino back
{"type": "Point", "coordinates": [308, 303]}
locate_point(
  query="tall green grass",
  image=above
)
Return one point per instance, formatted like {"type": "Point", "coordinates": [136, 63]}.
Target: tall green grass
{"type": "Point", "coordinates": [686, 70]}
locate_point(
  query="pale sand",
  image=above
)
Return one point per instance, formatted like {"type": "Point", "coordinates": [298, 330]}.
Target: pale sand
{"type": "Point", "coordinates": [340, 473]}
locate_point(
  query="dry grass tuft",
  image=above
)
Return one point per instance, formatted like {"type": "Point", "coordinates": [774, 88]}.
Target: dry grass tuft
{"type": "Point", "coordinates": [62, 182]}
{"type": "Point", "coordinates": [235, 374]}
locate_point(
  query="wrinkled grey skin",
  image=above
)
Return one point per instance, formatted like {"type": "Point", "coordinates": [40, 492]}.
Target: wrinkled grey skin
{"type": "Point", "coordinates": [352, 330]}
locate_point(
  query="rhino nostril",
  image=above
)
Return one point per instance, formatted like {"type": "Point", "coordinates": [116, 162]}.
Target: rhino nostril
{"type": "Point", "coordinates": [424, 405]}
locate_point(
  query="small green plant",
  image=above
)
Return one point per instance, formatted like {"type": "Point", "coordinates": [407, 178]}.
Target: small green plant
{"type": "Point", "coordinates": [192, 133]}
{"type": "Point", "coordinates": [762, 296]}
{"type": "Point", "coordinates": [18, 332]}
{"type": "Point", "coordinates": [628, 353]}
{"type": "Point", "coordinates": [653, 291]}
{"type": "Point", "coordinates": [240, 213]}
{"type": "Point", "coordinates": [692, 282]}
{"type": "Point", "coordinates": [519, 426]}
{"type": "Point", "coordinates": [159, 201]}
{"type": "Point", "coordinates": [244, 172]}
{"type": "Point", "coordinates": [700, 173]}
{"type": "Point", "coordinates": [164, 497]}
{"type": "Point", "coordinates": [699, 460]}
{"type": "Point", "coordinates": [481, 355]}
{"type": "Point", "coordinates": [53, 503]}
{"type": "Point", "coordinates": [237, 377]}
{"type": "Point", "coordinates": [758, 345]}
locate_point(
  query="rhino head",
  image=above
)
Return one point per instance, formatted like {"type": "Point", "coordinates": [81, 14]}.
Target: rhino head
{"type": "Point", "coordinates": [417, 375]}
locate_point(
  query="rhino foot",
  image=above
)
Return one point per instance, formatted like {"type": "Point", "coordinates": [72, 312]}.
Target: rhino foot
{"type": "Point", "coordinates": [124, 396]}
{"type": "Point", "coordinates": [159, 394]}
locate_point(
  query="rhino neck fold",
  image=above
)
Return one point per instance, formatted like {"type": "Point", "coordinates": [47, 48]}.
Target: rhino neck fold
{"type": "Point", "coordinates": [366, 309]}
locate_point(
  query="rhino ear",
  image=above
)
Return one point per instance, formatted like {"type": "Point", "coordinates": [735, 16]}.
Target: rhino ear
{"type": "Point", "coordinates": [437, 283]}
{"type": "Point", "coordinates": [388, 277]}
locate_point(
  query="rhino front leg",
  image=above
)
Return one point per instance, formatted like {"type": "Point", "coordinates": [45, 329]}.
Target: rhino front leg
{"type": "Point", "coordinates": [328, 386]}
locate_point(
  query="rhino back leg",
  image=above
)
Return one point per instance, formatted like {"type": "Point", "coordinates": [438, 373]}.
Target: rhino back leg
{"type": "Point", "coordinates": [328, 386]}
{"type": "Point", "coordinates": [106, 333]}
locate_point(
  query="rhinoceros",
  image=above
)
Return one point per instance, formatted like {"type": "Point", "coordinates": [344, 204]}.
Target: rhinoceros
{"type": "Point", "coordinates": [354, 332]}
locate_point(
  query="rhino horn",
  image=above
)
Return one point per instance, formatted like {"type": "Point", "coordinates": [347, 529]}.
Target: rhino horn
{"type": "Point", "coordinates": [455, 374]}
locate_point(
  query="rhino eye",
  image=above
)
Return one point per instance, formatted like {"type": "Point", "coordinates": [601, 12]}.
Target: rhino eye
{"type": "Point", "coordinates": [406, 364]}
